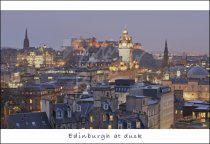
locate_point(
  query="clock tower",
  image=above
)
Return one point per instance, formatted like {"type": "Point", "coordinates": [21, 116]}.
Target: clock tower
{"type": "Point", "coordinates": [125, 47]}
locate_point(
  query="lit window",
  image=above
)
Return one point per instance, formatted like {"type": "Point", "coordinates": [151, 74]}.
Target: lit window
{"type": "Point", "coordinates": [138, 125]}
{"type": "Point", "coordinates": [176, 112]}
{"type": "Point", "coordinates": [111, 117]}
{"type": "Point", "coordinates": [31, 101]}
{"type": "Point", "coordinates": [181, 111]}
{"type": "Point", "coordinates": [203, 115]}
{"type": "Point", "coordinates": [50, 77]}
{"type": "Point", "coordinates": [109, 126]}
{"type": "Point", "coordinates": [91, 119]}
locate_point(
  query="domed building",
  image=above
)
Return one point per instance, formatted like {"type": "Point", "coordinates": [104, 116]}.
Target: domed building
{"type": "Point", "coordinates": [193, 87]}
{"type": "Point", "coordinates": [197, 72]}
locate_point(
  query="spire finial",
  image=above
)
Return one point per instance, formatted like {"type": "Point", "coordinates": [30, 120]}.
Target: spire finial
{"type": "Point", "coordinates": [125, 27]}
{"type": "Point", "coordinates": [166, 45]}
{"type": "Point", "coordinates": [26, 34]}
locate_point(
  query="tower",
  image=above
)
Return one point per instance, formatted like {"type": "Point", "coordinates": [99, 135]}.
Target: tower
{"type": "Point", "coordinates": [26, 40]}
{"type": "Point", "coordinates": [165, 57]}
{"type": "Point", "coordinates": [125, 47]}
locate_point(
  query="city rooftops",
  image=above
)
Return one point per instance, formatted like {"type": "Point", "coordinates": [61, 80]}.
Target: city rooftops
{"type": "Point", "coordinates": [137, 96]}
{"type": "Point", "coordinates": [198, 105]}
{"type": "Point", "coordinates": [31, 120]}
{"type": "Point", "coordinates": [41, 86]}
{"type": "Point", "coordinates": [124, 82]}
{"type": "Point", "coordinates": [203, 82]}
{"type": "Point", "coordinates": [179, 81]}
{"type": "Point", "coordinates": [207, 109]}
{"type": "Point", "coordinates": [73, 77]}
{"type": "Point", "coordinates": [156, 90]}
{"type": "Point", "coordinates": [197, 102]}
{"type": "Point", "coordinates": [102, 86]}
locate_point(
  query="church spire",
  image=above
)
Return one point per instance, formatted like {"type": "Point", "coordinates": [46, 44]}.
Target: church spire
{"type": "Point", "coordinates": [26, 40]}
{"type": "Point", "coordinates": [166, 46]}
{"type": "Point", "coordinates": [26, 34]}
{"type": "Point", "coordinates": [165, 57]}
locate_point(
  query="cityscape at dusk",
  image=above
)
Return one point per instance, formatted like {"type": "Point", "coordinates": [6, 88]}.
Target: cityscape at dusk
{"type": "Point", "coordinates": [186, 31]}
{"type": "Point", "coordinates": [105, 70]}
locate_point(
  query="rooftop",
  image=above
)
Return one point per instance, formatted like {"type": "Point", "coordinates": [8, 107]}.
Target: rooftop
{"type": "Point", "coordinates": [31, 120]}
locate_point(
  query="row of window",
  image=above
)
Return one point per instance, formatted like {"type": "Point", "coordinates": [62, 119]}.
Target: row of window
{"type": "Point", "coordinates": [121, 89]}
{"type": "Point", "coordinates": [59, 112]}
{"type": "Point", "coordinates": [191, 88]}
{"type": "Point", "coordinates": [33, 123]}
{"type": "Point", "coordinates": [74, 126]}
{"type": "Point", "coordinates": [111, 118]}
{"type": "Point", "coordinates": [129, 126]}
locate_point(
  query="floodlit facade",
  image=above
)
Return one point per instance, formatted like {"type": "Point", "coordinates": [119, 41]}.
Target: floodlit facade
{"type": "Point", "coordinates": [125, 47]}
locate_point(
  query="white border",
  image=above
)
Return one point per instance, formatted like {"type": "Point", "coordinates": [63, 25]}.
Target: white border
{"type": "Point", "coordinates": [105, 5]}
{"type": "Point", "coordinates": [61, 136]}
{"type": "Point", "coordinates": [148, 136]}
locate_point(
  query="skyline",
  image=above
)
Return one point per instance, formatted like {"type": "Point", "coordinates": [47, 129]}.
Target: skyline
{"type": "Point", "coordinates": [185, 31]}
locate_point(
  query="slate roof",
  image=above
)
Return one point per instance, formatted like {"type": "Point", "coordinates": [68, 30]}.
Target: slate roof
{"type": "Point", "coordinates": [63, 107]}
{"type": "Point", "coordinates": [199, 106]}
{"type": "Point", "coordinates": [76, 116]}
{"type": "Point", "coordinates": [203, 82]}
{"type": "Point", "coordinates": [179, 81]}
{"type": "Point", "coordinates": [132, 119]}
{"type": "Point", "coordinates": [31, 120]}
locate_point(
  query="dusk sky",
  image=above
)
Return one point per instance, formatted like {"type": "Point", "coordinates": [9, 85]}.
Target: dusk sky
{"type": "Point", "coordinates": [186, 31]}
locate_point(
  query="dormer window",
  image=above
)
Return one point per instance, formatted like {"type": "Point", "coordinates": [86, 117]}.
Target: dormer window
{"type": "Point", "coordinates": [78, 108]}
{"type": "Point", "coordinates": [59, 114]}
{"type": "Point", "coordinates": [69, 113]}
{"type": "Point", "coordinates": [128, 125]}
{"type": "Point", "coordinates": [105, 106]}
{"type": "Point", "coordinates": [33, 123]}
{"type": "Point", "coordinates": [17, 125]}
{"type": "Point", "coordinates": [120, 126]}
